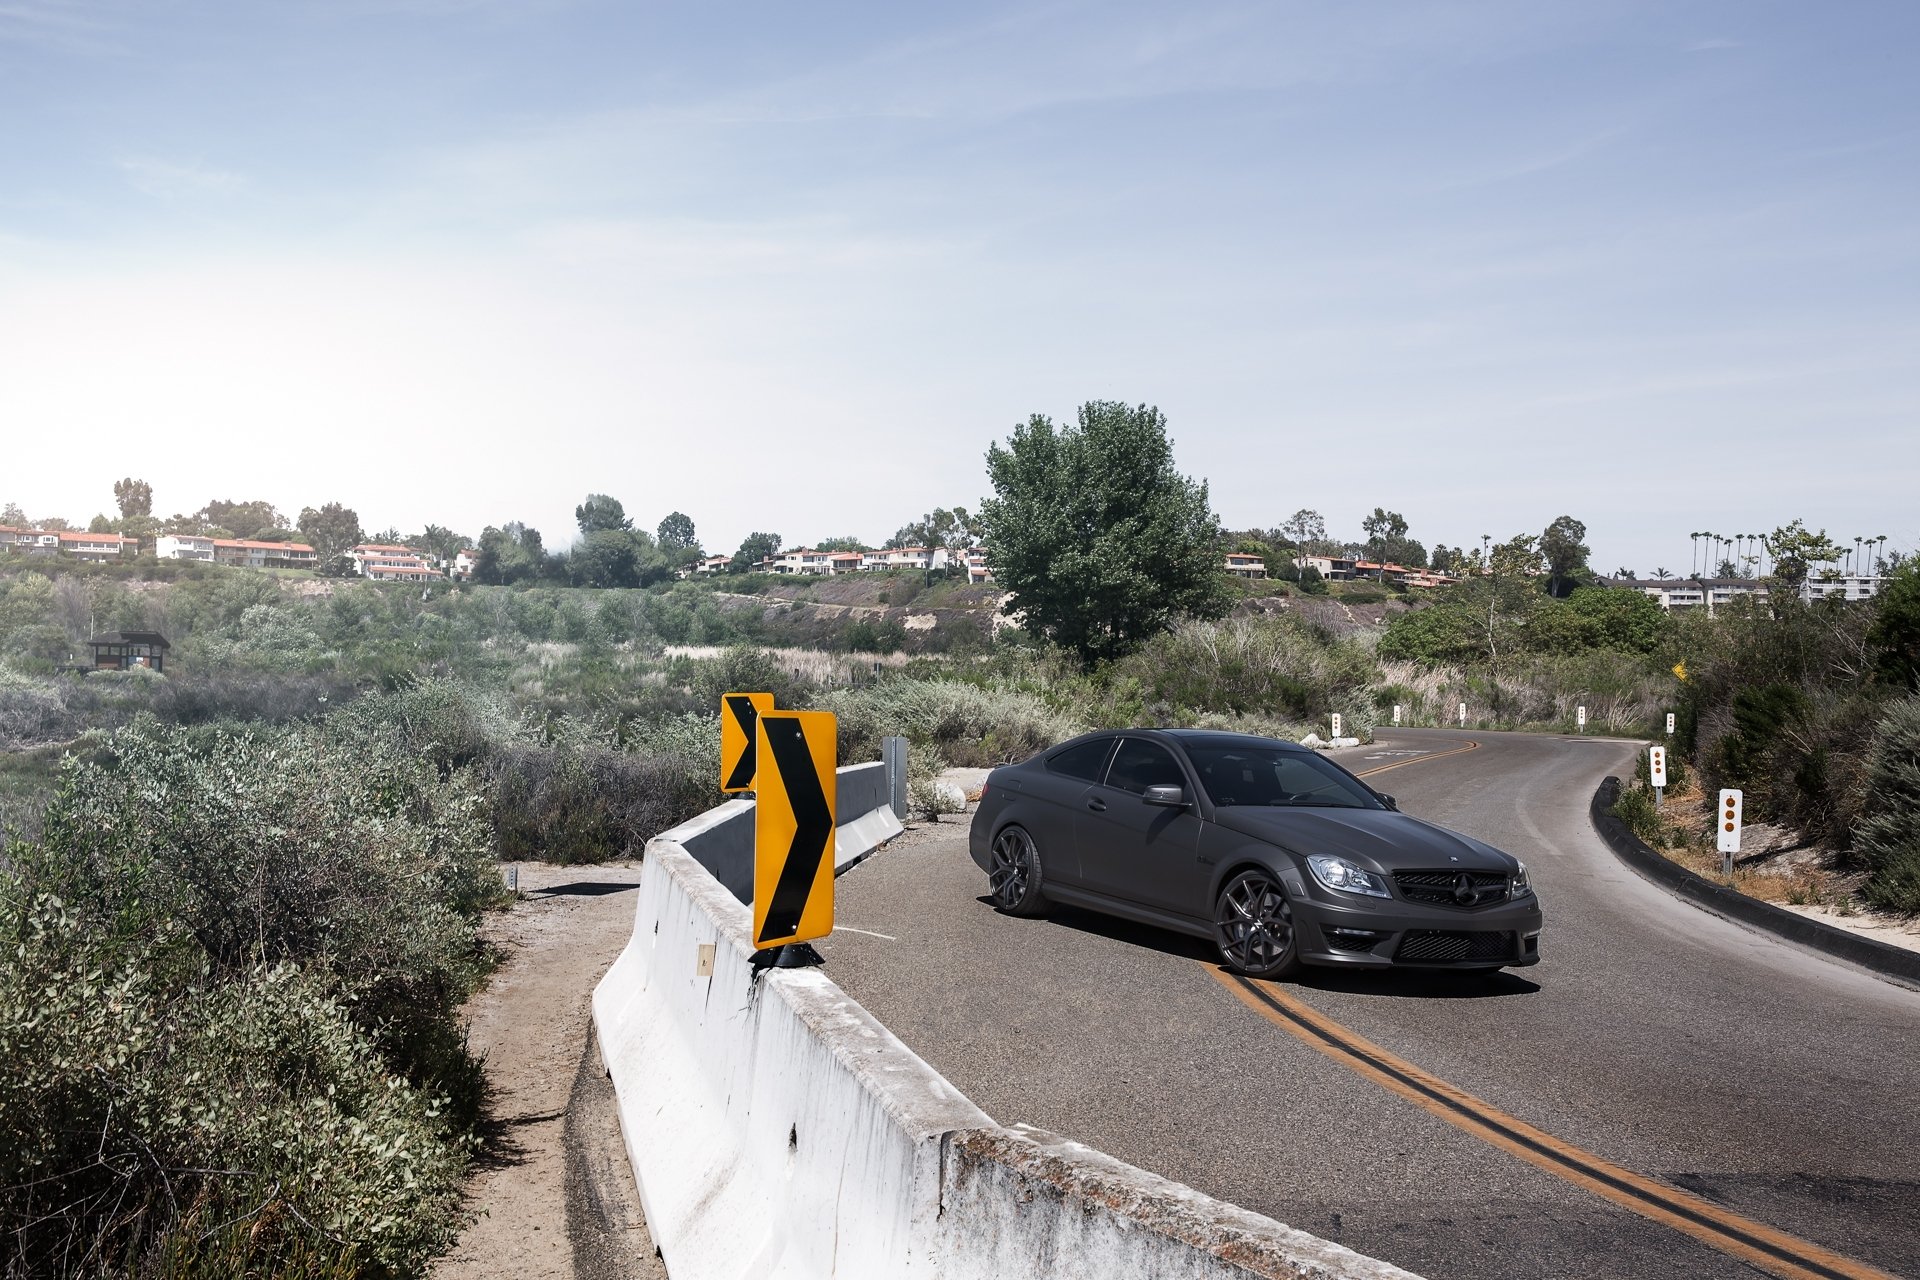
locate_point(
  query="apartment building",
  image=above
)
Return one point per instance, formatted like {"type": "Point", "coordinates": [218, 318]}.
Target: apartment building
{"type": "Point", "coordinates": [245, 553]}
{"type": "Point", "coordinates": [1242, 565]}
{"type": "Point", "coordinates": [388, 562]}
{"type": "Point", "coordinates": [68, 542]}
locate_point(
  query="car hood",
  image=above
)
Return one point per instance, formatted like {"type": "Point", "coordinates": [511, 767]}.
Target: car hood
{"type": "Point", "coordinates": [1378, 838]}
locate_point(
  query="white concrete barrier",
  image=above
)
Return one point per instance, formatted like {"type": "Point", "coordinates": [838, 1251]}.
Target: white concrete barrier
{"type": "Point", "coordinates": [777, 1130]}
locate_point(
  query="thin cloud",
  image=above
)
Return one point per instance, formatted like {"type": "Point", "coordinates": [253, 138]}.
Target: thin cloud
{"type": "Point", "coordinates": [168, 180]}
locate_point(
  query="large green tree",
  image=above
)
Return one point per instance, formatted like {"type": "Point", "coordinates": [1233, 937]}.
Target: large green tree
{"type": "Point", "coordinates": [1796, 549]}
{"type": "Point", "coordinates": [1564, 548]}
{"type": "Point", "coordinates": [245, 519]}
{"type": "Point", "coordinates": [135, 497]}
{"type": "Point", "coordinates": [331, 529]}
{"type": "Point", "coordinates": [754, 548]}
{"type": "Point", "coordinates": [601, 512]}
{"type": "Point", "coordinates": [1100, 540]}
{"type": "Point", "coordinates": [676, 533]}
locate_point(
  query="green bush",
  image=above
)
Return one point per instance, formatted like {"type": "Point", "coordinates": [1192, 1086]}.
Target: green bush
{"type": "Point", "coordinates": [229, 980]}
{"type": "Point", "coordinates": [1887, 837]}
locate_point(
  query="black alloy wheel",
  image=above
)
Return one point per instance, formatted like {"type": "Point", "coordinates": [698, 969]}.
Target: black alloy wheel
{"type": "Point", "coordinates": [1253, 927]}
{"type": "Point", "coordinates": [1013, 874]}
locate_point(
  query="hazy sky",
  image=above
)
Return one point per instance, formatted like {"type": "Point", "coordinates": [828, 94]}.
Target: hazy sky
{"type": "Point", "coordinates": [793, 266]}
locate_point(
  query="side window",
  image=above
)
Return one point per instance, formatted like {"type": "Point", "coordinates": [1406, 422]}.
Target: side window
{"type": "Point", "coordinates": [1139, 765]}
{"type": "Point", "coordinates": [1082, 762]}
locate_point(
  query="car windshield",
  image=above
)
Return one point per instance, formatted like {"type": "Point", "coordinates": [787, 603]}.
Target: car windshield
{"type": "Point", "coordinates": [1240, 774]}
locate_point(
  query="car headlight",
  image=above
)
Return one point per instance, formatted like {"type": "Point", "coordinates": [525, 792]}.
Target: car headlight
{"type": "Point", "coordinates": [1338, 873]}
{"type": "Point", "coordinates": [1517, 885]}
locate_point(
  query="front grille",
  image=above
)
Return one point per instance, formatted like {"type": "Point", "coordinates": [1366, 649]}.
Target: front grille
{"type": "Point", "coordinates": [1464, 889]}
{"type": "Point", "coordinates": [1432, 945]}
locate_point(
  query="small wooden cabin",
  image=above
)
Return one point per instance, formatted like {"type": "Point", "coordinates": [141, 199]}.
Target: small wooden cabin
{"type": "Point", "coordinates": [125, 650]}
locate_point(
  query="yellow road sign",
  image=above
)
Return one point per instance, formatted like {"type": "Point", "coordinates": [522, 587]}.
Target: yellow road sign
{"type": "Point", "coordinates": [793, 827]}
{"type": "Point", "coordinates": [738, 712]}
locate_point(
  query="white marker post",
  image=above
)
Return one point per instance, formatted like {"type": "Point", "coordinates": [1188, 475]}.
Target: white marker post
{"type": "Point", "coordinates": [1396, 715]}
{"type": "Point", "coordinates": [1580, 718]}
{"type": "Point", "coordinates": [1463, 715]}
{"type": "Point", "coordinates": [1657, 772]}
{"type": "Point", "coordinates": [1729, 830]}
{"type": "Point", "coordinates": [1336, 724]}
{"type": "Point", "coordinates": [1669, 724]}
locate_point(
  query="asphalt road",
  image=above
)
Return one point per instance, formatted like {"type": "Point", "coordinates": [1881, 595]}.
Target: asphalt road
{"type": "Point", "coordinates": [1780, 1086]}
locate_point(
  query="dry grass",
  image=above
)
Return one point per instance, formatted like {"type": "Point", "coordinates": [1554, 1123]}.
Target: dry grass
{"type": "Point", "coordinates": [1771, 866]}
{"type": "Point", "coordinates": [815, 665]}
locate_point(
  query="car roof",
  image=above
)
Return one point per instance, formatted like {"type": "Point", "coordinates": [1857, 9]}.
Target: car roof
{"type": "Point", "coordinates": [1195, 737]}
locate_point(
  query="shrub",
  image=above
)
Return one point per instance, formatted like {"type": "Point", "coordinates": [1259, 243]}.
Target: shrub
{"type": "Point", "coordinates": [1887, 837]}
{"type": "Point", "coordinates": [965, 723]}
{"type": "Point", "coordinates": [228, 1031]}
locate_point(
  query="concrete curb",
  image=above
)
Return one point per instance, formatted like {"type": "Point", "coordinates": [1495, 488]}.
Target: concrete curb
{"type": "Point", "coordinates": [775, 1127]}
{"type": "Point", "coordinates": [1895, 964]}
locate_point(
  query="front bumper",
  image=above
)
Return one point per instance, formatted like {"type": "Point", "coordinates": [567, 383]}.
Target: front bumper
{"type": "Point", "coordinates": [1405, 935]}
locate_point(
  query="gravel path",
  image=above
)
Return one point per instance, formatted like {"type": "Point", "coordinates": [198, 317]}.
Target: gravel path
{"type": "Point", "coordinates": [554, 1192]}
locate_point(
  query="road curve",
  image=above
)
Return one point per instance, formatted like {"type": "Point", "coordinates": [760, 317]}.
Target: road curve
{"type": "Point", "coordinates": [1763, 1104]}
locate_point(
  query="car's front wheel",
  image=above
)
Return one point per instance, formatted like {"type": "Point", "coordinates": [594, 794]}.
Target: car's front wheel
{"type": "Point", "coordinates": [1253, 927]}
{"type": "Point", "coordinates": [1013, 874]}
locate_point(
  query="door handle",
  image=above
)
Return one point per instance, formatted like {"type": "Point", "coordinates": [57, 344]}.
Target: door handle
{"type": "Point", "coordinates": [1097, 805]}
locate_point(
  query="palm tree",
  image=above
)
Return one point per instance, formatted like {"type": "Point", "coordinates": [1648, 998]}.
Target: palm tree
{"type": "Point", "coordinates": [1662, 574]}
{"type": "Point", "coordinates": [1696, 552]}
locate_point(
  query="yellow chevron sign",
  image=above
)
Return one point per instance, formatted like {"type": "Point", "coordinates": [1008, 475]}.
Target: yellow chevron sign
{"type": "Point", "coordinates": [738, 713]}
{"type": "Point", "coordinates": [793, 827]}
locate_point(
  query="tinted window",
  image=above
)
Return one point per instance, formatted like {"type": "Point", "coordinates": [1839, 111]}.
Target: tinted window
{"type": "Point", "coordinates": [1139, 765]}
{"type": "Point", "coordinates": [1243, 774]}
{"type": "Point", "coordinates": [1082, 762]}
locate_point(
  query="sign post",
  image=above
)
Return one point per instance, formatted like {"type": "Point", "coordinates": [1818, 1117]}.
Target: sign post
{"type": "Point", "coordinates": [1657, 772]}
{"type": "Point", "coordinates": [1336, 724]}
{"type": "Point", "coordinates": [738, 714]}
{"type": "Point", "coordinates": [793, 825]}
{"type": "Point", "coordinates": [1463, 715]}
{"type": "Point", "coordinates": [1580, 718]}
{"type": "Point", "coordinates": [1396, 715]}
{"type": "Point", "coordinates": [1728, 833]}
{"type": "Point", "coordinates": [1669, 724]}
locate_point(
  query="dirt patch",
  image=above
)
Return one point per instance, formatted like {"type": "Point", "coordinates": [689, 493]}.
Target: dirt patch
{"type": "Point", "coordinates": [1776, 865]}
{"type": "Point", "coordinates": [555, 1137]}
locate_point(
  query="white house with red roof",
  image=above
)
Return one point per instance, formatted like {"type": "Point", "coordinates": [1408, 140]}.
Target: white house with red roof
{"type": "Point", "coordinates": [389, 562]}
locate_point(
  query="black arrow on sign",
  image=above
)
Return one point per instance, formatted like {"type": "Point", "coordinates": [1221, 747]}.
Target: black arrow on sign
{"type": "Point", "coordinates": [812, 827]}
{"type": "Point", "coordinates": [744, 715]}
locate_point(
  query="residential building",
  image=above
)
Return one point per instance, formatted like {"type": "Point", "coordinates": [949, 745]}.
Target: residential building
{"type": "Point", "coordinates": [249, 554]}
{"type": "Point", "coordinates": [95, 546]}
{"type": "Point", "coordinates": [977, 570]}
{"type": "Point", "coordinates": [712, 564]}
{"type": "Point", "coordinates": [463, 562]}
{"type": "Point", "coordinates": [183, 546]}
{"type": "Point", "coordinates": [1691, 593]}
{"type": "Point", "coordinates": [1332, 568]}
{"type": "Point", "coordinates": [1852, 586]}
{"type": "Point", "coordinates": [1242, 565]}
{"type": "Point", "coordinates": [388, 562]}
{"type": "Point", "coordinates": [30, 542]}
{"type": "Point", "coordinates": [907, 558]}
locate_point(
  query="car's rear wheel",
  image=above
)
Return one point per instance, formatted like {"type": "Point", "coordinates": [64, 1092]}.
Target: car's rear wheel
{"type": "Point", "coordinates": [1013, 874]}
{"type": "Point", "coordinates": [1253, 927]}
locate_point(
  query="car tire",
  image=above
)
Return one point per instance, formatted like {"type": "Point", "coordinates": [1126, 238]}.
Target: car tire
{"type": "Point", "coordinates": [1014, 874]}
{"type": "Point", "coordinates": [1253, 926]}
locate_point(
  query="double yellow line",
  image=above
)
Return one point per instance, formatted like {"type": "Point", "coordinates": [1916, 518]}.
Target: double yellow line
{"type": "Point", "coordinates": [1731, 1233]}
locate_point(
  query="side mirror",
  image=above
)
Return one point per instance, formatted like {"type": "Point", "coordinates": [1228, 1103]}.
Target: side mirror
{"type": "Point", "coordinates": [1388, 801]}
{"type": "Point", "coordinates": [1166, 797]}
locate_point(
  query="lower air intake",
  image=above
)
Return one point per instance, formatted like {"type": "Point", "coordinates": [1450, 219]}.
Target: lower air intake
{"type": "Point", "coordinates": [1437, 946]}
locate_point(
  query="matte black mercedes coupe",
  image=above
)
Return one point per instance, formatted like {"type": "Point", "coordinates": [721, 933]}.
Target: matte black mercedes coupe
{"type": "Point", "coordinates": [1275, 852]}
